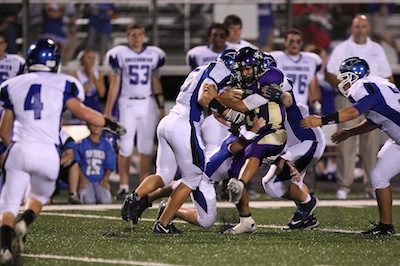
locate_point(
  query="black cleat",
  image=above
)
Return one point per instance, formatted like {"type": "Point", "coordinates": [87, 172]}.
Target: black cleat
{"type": "Point", "coordinates": [158, 228]}
{"type": "Point", "coordinates": [121, 194]}
{"type": "Point", "coordinates": [303, 213]}
{"type": "Point", "coordinates": [132, 208]}
{"type": "Point", "coordinates": [380, 229]}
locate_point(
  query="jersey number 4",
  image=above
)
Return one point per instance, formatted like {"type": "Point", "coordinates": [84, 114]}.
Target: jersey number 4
{"type": "Point", "coordinates": [32, 101]}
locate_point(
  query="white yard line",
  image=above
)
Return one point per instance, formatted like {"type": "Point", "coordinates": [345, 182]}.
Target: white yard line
{"type": "Point", "coordinates": [94, 260]}
{"type": "Point", "coordinates": [269, 226]}
{"type": "Point", "coordinates": [225, 204]}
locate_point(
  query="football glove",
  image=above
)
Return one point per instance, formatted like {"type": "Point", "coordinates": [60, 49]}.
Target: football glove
{"type": "Point", "coordinates": [114, 126]}
{"type": "Point", "coordinates": [235, 116]}
{"type": "Point", "coordinates": [274, 94]}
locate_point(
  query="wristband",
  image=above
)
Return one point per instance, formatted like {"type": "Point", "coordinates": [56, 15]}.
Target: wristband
{"type": "Point", "coordinates": [330, 119]}
{"type": "Point", "coordinates": [216, 106]}
{"type": "Point", "coordinates": [160, 100]}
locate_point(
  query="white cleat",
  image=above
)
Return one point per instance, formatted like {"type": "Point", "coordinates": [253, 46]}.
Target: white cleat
{"type": "Point", "coordinates": [235, 189]}
{"type": "Point", "coordinates": [20, 233]}
{"type": "Point", "coordinates": [246, 225]}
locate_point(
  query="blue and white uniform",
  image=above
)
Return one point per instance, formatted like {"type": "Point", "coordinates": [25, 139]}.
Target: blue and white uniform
{"type": "Point", "coordinates": [201, 55]}
{"type": "Point", "coordinates": [379, 101]}
{"type": "Point", "coordinates": [300, 70]}
{"type": "Point", "coordinates": [137, 106]}
{"type": "Point", "coordinates": [37, 101]}
{"type": "Point", "coordinates": [11, 65]}
{"type": "Point", "coordinates": [179, 138]}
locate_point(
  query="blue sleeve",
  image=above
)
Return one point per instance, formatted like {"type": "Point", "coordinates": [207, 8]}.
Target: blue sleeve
{"type": "Point", "coordinates": [5, 98]}
{"type": "Point", "coordinates": [110, 161]}
{"type": "Point", "coordinates": [69, 144]}
{"type": "Point", "coordinates": [113, 62]}
{"type": "Point", "coordinates": [161, 62]}
{"type": "Point", "coordinates": [21, 69]}
{"type": "Point", "coordinates": [366, 103]}
{"type": "Point", "coordinates": [70, 90]}
{"type": "Point", "coordinates": [78, 153]}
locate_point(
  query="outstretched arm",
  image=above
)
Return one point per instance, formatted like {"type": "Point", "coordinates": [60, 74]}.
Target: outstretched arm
{"type": "Point", "coordinates": [343, 115]}
{"type": "Point", "coordinates": [345, 133]}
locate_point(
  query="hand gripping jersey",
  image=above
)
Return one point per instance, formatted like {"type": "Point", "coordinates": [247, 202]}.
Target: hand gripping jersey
{"type": "Point", "coordinates": [11, 65]}
{"type": "Point", "coordinates": [37, 100]}
{"type": "Point", "coordinates": [300, 71]}
{"type": "Point", "coordinates": [379, 100]}
{"type": "Point", "coordinates": [135, 69]}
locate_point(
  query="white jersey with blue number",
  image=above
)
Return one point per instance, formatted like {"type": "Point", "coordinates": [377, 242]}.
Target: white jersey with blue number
{"type": "Point", "coordinates": [300, 71]}
{"type": "Point", "coordinates": [379, 100]}
{"type": "Point", "coordinates": [186, 101]}
{"type": "Point", "coordinates": [136, 69]}
{"type": "Point", "coordinates": [11, 65]}
{"type": "Point", "coordinates": [37, 100]}
{"type": "Point", "coordinates": [201, 55]}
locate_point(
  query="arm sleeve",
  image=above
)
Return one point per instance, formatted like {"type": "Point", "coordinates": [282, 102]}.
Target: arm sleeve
{"type": "Point", "coordinates": [113, 62]}
{"type": "Point", "coordinates": [253, 101]}
{"type": "Point", "coordinates": [366, 103]}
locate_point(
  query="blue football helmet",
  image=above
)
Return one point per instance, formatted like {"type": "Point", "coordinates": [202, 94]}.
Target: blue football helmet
{"type": "Point", "coordinates": [43, 55]}
{"type": "Point", "coordinates": [269, 61]}
{"type": "Point", "coordinates": [227, 58]}
{"type": "Point", "coordinates": [351, 70]}
{"type": "Point", "coordinates": [248, 57]}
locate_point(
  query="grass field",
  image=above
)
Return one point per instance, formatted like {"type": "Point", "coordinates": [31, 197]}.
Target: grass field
{"type": "Point", "coordinates": [88, 237]}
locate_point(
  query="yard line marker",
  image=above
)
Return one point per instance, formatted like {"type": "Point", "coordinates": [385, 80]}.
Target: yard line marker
{"type": "Point", "coordinates": [225, 204]}
{"type": "Point", "coordinates": [95, 260]}
{"type": "Point", "coordinates": [268, 226]}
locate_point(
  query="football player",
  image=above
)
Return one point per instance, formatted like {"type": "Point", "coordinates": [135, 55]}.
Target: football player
{"type": "Point", "coordinates": [136, 80]}
{"type": "Point", "coordinates": [379, 100]}
{"type": "Point", "coordinates": [11, 65]}
{"type": "Point", "coordinates": [33, 105]}
{"type": "Point", "coordinates": [301, 68]}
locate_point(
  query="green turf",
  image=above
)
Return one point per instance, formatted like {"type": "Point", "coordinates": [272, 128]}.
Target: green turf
{"type": "Point", "coordinates": [109, 239]}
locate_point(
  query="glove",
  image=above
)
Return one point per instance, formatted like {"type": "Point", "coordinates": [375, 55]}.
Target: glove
{"type": "Point", "coordinates": [235, 189]}
{"type": "Point", "coordinates": [235, 116]}
{"type": "Point", "coordinates": [114, 127]}
{"type": "Point", "coordinates": [317, 108]}
{"type": "Point", "coordinates": [274, 94]}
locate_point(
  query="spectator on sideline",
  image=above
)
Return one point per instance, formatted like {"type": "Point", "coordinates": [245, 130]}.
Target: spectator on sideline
{"type": "Point", "coordinates": [265, 27]}
{"type": "Point", "coordinates": [234, 25]}
{"type": "Point", "coordinates": [358, 44]}
{"type": "Point", "coordinates": [91, 79]}
{"type": "Point", "coordinates": [203, 54]}
{"type": "Point", "coordinates": [96, 159]}
{"type": "Point", "coordinates": [11, 65]}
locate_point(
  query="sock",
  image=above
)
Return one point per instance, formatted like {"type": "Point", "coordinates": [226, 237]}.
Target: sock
{"type": "Point", "coordinates": [124, 187]}
{"type": "Point", "coordinates": [6, 233]}
{"type": "Point", "coordinates": [308, 199]}
{"type": "Point", "coordinates": [28, 217]}
{"type": "Point", "coordinates": [73, 194]}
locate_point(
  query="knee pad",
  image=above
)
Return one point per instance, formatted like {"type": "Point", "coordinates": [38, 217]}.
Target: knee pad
{"type": "Point", "coordinates": [207, 220]}
{"type": "Point", "coordinates": [378, 180]}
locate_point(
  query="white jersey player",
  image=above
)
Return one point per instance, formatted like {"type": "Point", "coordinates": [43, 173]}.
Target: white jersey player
{"type": "Point", "coordinates": [204, 54]}
{"type": "Point", "coordinates": [136, 81]}
{"type": "Point", "coordinates": [300, 67]}
{"type": "Point", "coordinates": [379, 100]}
{"type": "Point", "coordinates": [180, 144]}
{"type": "Point", "coordinates": [11, 65]}
{"type": "Point", "coordinates": [33, 104]}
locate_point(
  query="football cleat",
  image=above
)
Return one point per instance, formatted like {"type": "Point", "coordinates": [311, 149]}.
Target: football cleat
{"type": "Point", "coordinates": [303, 213]}
{"type": "Point", "coordinates": [246, 225]}
{"type": "Point", "coordinates": [6, 257]}
{"type": "Point", "coordinates": [235, 190]}
{"type": "Point", "coordinates": [132, 208]}
{"type": "Point", "coordinates": [159, 228]}
{"type": "Point", "coordinates": [310, 223]}
{"type": "Point", "coordinates": [74, 199]}
{"type": "Point", "coordinates": [380, 229]}
{"type": "Point", "coordinates": [121, 194]}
